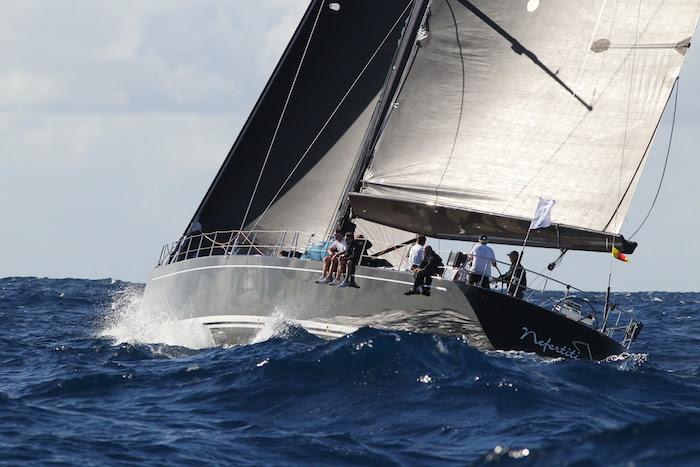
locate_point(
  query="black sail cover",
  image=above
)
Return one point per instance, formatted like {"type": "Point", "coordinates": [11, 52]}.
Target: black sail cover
{"type": "Point", "coordinates": [511, 100]}
{"type": "Point", "coordinates": [324, 90]}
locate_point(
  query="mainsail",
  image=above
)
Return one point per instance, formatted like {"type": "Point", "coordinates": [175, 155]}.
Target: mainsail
{"type": "Point", "coordinates": [504, 104]}
{"type": "Point", "coordinates": [289, 166]}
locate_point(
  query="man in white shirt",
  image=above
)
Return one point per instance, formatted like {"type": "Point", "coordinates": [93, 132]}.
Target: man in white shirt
{"type": "Point", "coordinates": [482, 258]}
{"type": "Point", "coordinates": [330, 262]}
{"type": "Point", "coordinates": [416, 253]}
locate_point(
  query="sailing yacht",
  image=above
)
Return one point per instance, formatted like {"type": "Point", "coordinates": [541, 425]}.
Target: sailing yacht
{"type": "Point", "coordinates": [448, 118]}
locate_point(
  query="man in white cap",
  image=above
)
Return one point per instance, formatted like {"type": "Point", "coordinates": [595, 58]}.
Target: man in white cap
{"type": "Point", "coordinates": [482, 258]}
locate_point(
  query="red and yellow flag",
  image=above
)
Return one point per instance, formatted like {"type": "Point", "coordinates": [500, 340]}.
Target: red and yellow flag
{"type": "Point", "coordinates": [617, 254]}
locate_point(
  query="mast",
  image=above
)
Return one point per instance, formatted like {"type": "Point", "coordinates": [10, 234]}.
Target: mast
{"type": "Point", "coordinates": [407, 49]}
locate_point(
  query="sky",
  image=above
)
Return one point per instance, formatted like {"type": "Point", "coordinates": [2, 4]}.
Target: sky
{"type": "Point", "coordinates": [115, 117]}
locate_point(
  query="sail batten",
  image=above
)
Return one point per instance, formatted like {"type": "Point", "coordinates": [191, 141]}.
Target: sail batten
{"type": "Point", "coordinates": [504, 105]}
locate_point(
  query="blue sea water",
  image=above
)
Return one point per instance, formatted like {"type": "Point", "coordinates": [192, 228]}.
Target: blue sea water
{"type": "Point", "coordinates": [88, 378]}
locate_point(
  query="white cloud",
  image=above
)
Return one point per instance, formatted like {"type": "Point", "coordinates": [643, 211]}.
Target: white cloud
{"type": "Point", "coordinates": [138, 56]}
{"type": "Point", "coordinates": [22, 89]}
{"type": "Point", "coordinates": [114, 118]}
{"type": "Point", "coordinates": [167, 140]}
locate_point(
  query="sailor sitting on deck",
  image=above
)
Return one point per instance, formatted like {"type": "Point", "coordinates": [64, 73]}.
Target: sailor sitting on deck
{"type": "Point", "coordinates": [330, 262]}
{"type": "Point", "coordinates": [515, 277]}
{"type": "Point", "coordinates": [425, 271]}
{"type": "Point", "coordinates": [348, 260]}
{"type": "Point", "coordinates": [482, 258]}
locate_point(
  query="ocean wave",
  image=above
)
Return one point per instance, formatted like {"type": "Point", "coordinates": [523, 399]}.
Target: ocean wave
{"type": "Point", "coordinates": [92, 376]}
{"type": "Point", "coordinates": [664, 441]}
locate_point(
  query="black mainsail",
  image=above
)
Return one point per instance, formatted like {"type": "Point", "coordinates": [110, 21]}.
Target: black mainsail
{"type": "Point", "coordinates": [288, 168]}
{"type": "Point", "coordinates": [506, 104]}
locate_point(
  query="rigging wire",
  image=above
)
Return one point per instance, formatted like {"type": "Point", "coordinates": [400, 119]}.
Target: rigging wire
{"type": "Point", "coordinates": [323, 128]}
{"type": "Point", "coordinates": [284, 111]}
{"type": "Point", "coordinates": [383, 97]}
{"type": "Point", "coordinates": [393, 98]}
{"type": "Point", "coordinates": [668, 152]}
{"type": "Point", "coordinates": [539, 277]}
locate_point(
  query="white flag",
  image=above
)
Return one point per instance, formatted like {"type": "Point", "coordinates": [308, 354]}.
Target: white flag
{"type": "Point", "coordinates": [542, 217]}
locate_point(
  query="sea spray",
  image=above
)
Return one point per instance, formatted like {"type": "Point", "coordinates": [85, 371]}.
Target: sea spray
{"type": "Point", "coordinates": [129, 321]}
{"type": "Point", "coordinates": [276, 324]}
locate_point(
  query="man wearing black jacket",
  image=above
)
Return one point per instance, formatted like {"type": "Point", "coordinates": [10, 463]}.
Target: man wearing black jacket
{"type": "Point", "coordinates": [515, 277]}
{"type": "Point", "coordinates": [350, 258]}
{"type": "Point", "coordinates": [425, 271]}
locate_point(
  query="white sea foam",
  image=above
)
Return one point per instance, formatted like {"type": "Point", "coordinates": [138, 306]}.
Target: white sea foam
{"type": "Point", "coordinates": [275, 325]}
{"type": "Point", "coordinates": [128, 321]}
{"type": "Point", "coordinates": [628, 361]}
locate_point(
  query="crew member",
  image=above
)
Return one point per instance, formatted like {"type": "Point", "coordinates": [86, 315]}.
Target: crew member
{"type": "Point", "coordinates": [425, 271]}
{"type": "Point", "coordinates": [415, 254]}
{"type": "Point", "coordinates": [482, 258]}
{"type": "Point", "coordinates": [330, 262]}
{"type": "Point", "coordinates": [348, 260]}
{"type": "Point", "coordinates": [515, 277]}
